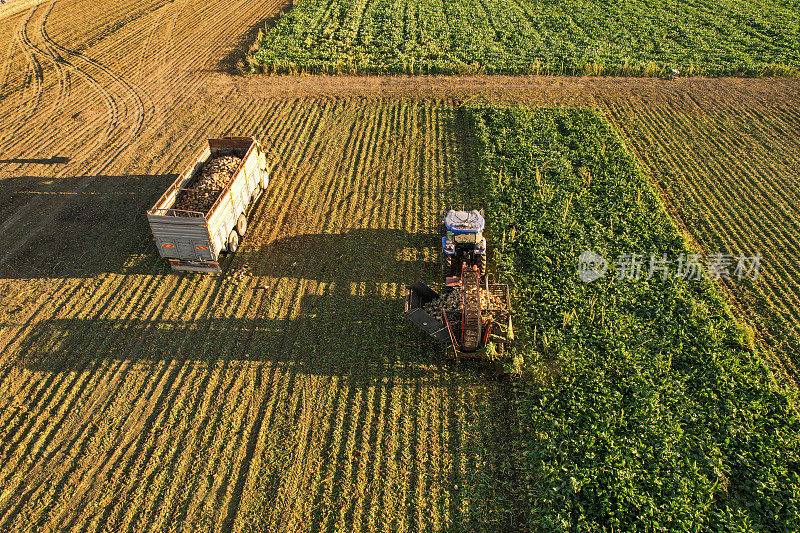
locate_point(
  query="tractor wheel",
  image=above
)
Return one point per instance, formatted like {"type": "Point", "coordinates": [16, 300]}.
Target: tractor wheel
{"type": "Point", "coordinates": [241, 225]}
{"type": "Point", "coordinates": [233, 241]}
{"type": "Point", "coordinates": [482, 265]}
{"type": "Point", "coordinates": [447, 265]}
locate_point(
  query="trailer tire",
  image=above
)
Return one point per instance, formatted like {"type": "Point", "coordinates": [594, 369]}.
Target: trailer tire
{"type": "Point", "coordinates": [233, 241]}
{"type": "Point", "coordinates": [241, 225]}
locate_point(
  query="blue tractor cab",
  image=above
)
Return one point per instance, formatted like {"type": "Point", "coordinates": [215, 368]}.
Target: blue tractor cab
{"type": "Point", "coordinates": [463, 242]}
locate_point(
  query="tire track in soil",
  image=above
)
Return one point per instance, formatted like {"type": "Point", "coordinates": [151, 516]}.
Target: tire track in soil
{"type": "Point", "coordinates": [114, 104]}
{"type": "Point", "coordinates": [34, 78]}
{"type": "Point", "coordinates": [155, 26]}
{"type": "Point", "coordinates": [130, 93]}
{"type": "Point", "coordinates": [61, 72]}
{"type": "Point", "coordinates": [7, 66]}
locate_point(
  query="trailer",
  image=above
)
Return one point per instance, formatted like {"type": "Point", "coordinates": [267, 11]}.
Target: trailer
{"type": "Point", "coordinates": [194, 240]}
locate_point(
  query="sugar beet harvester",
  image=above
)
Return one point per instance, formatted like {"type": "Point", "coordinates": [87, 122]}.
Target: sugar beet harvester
{"type": "Point", "coordinates": [193, 238]}
{"type": "Point", "coordinates": [471, 315]}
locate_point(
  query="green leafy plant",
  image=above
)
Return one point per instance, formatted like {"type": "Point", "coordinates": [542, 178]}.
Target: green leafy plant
{"type": "Point", "coordinates": [575, 37]}
{"type": "Point", "coordinates": [643, 406]}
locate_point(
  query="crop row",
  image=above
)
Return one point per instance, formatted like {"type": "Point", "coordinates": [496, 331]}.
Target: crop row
{"type": "Point", "coordinates": [645, 406]}
{"type": "Point", "coordinates": [512, 36]}
{"type": "Point", "coordinates": [309, 401]}
{"type": "Point", "coordinates": [727, 172]}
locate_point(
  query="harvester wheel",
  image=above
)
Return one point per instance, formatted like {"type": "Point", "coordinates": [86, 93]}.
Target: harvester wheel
{"type": "Point", "coordinates": [233, 241]}
{"type": "Point", "coordinates": [241, 225]}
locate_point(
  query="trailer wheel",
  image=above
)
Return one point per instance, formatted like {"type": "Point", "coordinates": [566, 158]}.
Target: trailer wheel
{"type": "Point", "coordinates": [241, 224]}
{"type": "Point", "coordinates": [233, 241]}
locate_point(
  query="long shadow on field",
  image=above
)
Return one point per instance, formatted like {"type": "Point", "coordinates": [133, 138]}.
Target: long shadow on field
{"type": "Point", "coordinates": [351, 324]}
{"type": "Point", "coordinates": [92, 224]}
{"type": "Point", "coordinates": [357, 256]}
{"type": "Point", "coordinates": [356, 336]}
{"type": "Point", "coordinates": [52, 160]}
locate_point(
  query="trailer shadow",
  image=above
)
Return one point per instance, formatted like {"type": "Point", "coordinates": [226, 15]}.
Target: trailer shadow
{"type": "Point", "coordinates": [80, 226]}
{"type": "Point", "coordinates": [360, 255]}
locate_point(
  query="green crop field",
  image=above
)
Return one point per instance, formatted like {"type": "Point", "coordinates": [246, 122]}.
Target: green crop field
{"type": "Point", "coordinates": [533, 36]}
{"type": "Point", "coordinates": [646, 407]}
{"type": "Point", "coordinates": [694, 150]}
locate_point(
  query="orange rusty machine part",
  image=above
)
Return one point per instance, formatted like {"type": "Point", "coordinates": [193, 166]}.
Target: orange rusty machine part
{"type": "Point", "coordinates": [471, 316]}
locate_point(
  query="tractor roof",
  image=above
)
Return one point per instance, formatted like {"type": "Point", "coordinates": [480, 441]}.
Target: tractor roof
{"type": "Point", "coordinates": [464, 221]}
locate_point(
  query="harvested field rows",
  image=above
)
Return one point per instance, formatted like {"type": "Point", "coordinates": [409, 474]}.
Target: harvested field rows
{"type": "Point", "coordinates": [729, 174]}
{"type": "Point", "coordinates": [307, 399]}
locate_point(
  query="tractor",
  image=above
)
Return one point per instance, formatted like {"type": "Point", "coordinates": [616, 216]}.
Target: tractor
{"type": "Point", "coordinates": [471, 316]}
{"type": "Point", "coordinates": [463, 242]}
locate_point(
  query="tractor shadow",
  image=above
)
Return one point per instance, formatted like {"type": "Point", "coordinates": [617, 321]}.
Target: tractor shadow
{"type": "Point", "coordinates": [351, 324]}
{"type": "Point", "coordinates": [357, 256]}
{"type": "Point", "coordinates": [360, 338]}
